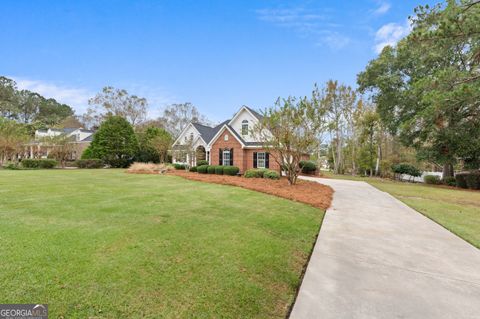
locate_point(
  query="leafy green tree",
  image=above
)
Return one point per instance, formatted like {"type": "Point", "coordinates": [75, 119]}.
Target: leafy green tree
{"type": "Point", "coordinates": [153, 144]}
{"type": "Point", "coordinates": [8, 105]}
{"type": "Point", "coordinates": [115, 142]}
{"type": "Point", "coordinates": [290, 129]}
{"type": "Point", "coordinates": [13, 137]}
{"type": "Point", "coordinates": [427, 88]}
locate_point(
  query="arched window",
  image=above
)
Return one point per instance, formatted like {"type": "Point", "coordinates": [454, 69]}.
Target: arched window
{"type": "Point", "coordinates": [244, 127]}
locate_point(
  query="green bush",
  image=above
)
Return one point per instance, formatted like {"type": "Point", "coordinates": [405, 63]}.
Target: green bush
{"type": "Point", "coordinates": [202, 162]}
{"type": "Point", "coordinates": [450, 181]}
{"type": "Point", "coordinates": [271, 174]}
{"type": "Point", "coordinates": [202, 169]}
{"type": "Point", "coordinates": [193, 169]}
{"type": "Point", "coordinates": [179, 166]}
{"type": "Point", "coordinates": [307, 167]}
{"type": "Point", "coordinates": [119, 162]}
{"type": "Point", "coordinates": [11, 166]}
{"type": "Point", "coordinates": [473, 180]}
{"type": "Point", "coordinates": [460, 180]}
{"type": "Point", "coordinates": [255, 173]}
{"type": "Point", "coordinates": [431, 179]}
{"type": "Point", "coordinates": [230, 170]}
{"type": "Point", "coordinates": [219, 170]}
{"type": "Point", "coordinates": [405, 168]}
{"type": "Point", "coordinates": [89, 163]}
{"type": "Point", "coordinates": [39, 163]}
{"type": "Point", "coordinates": [211, 169]}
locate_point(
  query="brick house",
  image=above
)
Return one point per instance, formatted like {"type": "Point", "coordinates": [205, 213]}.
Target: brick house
{"type": "Point", "coordinates": [229, 143]}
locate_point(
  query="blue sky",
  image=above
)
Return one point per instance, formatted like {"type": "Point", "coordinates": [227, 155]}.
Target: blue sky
{"type": "Point", "coordinates": [218, 55]}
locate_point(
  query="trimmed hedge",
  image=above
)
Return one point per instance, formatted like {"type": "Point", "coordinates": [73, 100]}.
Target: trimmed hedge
{"type": "Point", "coordinates": [450, 181]}
{"type": "Point", "coordinates": [193, 169]}
{"type": "Point", "coordinates": [255, 173]}
{"type": "Point", "coordinates": [271, 174]}
{"type": "Point", "coordinates": [219, 170]}
{"type": "Point", "coordinates": [405, 168]}
{"type": "Point", "coordinates": [307, 167]}
{"type": "Point", "coordinates": [89, 163]}
{"type": "Point", "coordinates": [468, 179]}
{"type": "Point", "coordinates": [202, 162]}
{"type": "Point", "coordinates": [179, 166]}
{"type": "Point", "coordinates": [202, 169]}
{"type": "Point", "coordinates": [432, 179]}
{"type": "Point", "coordinates": [39, 163]}
{"type": "Point", "coordinates": [231, 170]}
{"type": "Point", "coordinates": [211, 169]}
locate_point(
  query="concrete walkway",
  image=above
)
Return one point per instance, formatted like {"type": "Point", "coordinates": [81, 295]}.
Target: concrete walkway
{"type": "Point", "coordinates": [377, 258]}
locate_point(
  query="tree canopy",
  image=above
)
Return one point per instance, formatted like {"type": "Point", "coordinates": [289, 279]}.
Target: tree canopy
{"type": "Point", "coordinates": [427, 88]}
{"type": "Point", "coordinates": [115, 142]}
{"type": "Point", "coordinates": [29, 107]}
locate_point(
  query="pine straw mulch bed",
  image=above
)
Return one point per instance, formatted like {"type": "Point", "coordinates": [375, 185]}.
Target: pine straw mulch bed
{"type": "Point", "coordinates": [311, 193]}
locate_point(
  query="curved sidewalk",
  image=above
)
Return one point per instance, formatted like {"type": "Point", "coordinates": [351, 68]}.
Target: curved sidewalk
{"type": "Point", "coordinates": [375, 257]}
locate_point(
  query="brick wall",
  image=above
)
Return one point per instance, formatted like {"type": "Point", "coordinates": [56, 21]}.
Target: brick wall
{"type": "Point", "coordinates": [232, 142]}
{"type": "Point", "coordinates": [248, 159]}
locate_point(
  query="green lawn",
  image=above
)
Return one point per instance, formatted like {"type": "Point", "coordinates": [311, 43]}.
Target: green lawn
{"type": "Point", "coordinates": [457, 210]}
{"type": "Point", "coordinates": [105, 244]}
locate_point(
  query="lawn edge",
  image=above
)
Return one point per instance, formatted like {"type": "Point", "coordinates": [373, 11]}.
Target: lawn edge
{"type": "Point", "coordinates": [305, 266]}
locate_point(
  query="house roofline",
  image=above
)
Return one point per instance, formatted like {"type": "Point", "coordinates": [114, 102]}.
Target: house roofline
{"type": "Point", "coordinates": [231, 132]}
{"type": "Point", "coordinates": [239, 111]}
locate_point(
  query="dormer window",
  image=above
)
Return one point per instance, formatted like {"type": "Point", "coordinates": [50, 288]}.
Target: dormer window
{"type": "Point", "coordinates": [244, 127]}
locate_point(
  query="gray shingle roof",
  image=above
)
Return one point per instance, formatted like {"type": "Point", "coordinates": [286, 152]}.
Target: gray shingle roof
{"type": "Point", "coordinates": [208, 132]}
{"type": "Point", "coordinates": [257, 115]}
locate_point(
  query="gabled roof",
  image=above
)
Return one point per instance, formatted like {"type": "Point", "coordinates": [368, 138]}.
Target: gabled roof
{"type": "Point", "coordinates": [88, 139]}
{"type": "Point", "coordinates": [254, 113]}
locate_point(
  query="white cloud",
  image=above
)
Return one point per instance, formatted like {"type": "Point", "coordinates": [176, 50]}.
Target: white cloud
{"type": "Point", "coordinates": [313, 24]}
{"type": "Point", "coordinates": [335, 40]}
{"type": "Point", "coordinates": [77, 98]}
{"type": "Point", "coordinates": [390, 34]}
{"type": "Point", "coordinates": [383, 7]}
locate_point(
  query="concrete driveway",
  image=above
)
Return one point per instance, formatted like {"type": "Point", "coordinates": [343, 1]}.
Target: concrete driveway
{"type": "Point", "coordinates": [377, 258]}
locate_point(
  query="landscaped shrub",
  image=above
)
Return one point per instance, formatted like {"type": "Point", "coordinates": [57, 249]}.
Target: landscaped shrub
{"type": "Point", "coordinates": [39, 163]}
{"type": "Point", "coordinates": [450, 181]}
{"type": "Point", "coordinates": [460, 180]}
{"type": "Point", "coordinates": [211, 169]}
{"type": "Point", "coordinates": [307, 167]}
{"type": "Point", "coordinates": [11, 166]}
{"type": "Point", "coordinates": [202, 169]}
{"type": "Point", "coordinates": [89, 163]}
{"type": "Point", "coordinates": [219, 170]}
{"type": "Point", "coordinates": [473, 180]}
{"type": "Point", "coordinates": [202, 162]}
{"type": "Point", "coordinates": [405, 168]}
{"type": "Point", "coordinates": [120, 162]}
{"type": "Point", "coordinates": [230, 170]}
{"type": "Point", "coordinates": [179, 166]}
{"type": "Point", "coordinates": [255, 173]}
{"type": "Point", "coordinates": [271, 174]}
{"type": "Point", "coordinates": [193, 169]}
{"type": "Point", "coordinates": [431, 179]}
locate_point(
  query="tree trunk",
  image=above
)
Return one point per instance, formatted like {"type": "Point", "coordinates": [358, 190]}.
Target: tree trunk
{"type": "Point", "coordinates": [447, 170]}
{"type": "Point", "coordinates": [379, 156]}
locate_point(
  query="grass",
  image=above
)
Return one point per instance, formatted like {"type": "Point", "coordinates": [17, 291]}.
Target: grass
{"type": "Point", "coordinates": [456, 209]}
{"type": "Point", "coordinates": [105, 244]}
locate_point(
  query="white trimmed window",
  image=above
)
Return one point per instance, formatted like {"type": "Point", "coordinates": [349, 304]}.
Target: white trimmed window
{"type": "Point", "coordinates": [244, 127]}
{"type": "Point", "coordinates": [261, 160]}
{"type": "Point", "coordinates": [226, 158]}
{"type": "Point", "coordinates": [225, 138]}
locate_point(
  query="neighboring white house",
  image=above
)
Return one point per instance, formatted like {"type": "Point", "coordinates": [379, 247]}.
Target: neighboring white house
{"type": "Point", "coordinates": [79, 136]}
